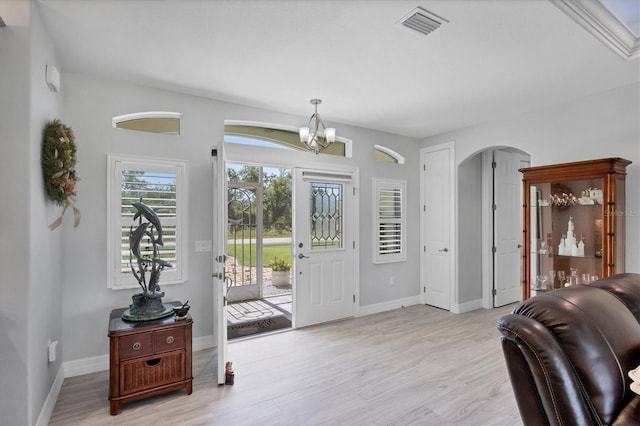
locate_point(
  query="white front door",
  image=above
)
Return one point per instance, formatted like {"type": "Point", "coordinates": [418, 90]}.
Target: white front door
{"type": "Point", "coordinates": [219, 256]}
{"type": "Point", "coordinates": [324, 247]}
{"type": "Point", "coordinates": [437, 221]}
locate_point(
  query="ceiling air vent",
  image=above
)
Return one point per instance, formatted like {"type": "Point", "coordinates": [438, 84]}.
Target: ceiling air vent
{"type": "Point", "coordinates": [421, 21]}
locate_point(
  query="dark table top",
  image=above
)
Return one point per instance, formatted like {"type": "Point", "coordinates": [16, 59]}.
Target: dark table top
{"type": "Point", "coordinates": [118, 325]}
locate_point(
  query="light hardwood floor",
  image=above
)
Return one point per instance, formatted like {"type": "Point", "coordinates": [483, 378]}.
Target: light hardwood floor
{"type": "Point", "coordinates": [411, 366]}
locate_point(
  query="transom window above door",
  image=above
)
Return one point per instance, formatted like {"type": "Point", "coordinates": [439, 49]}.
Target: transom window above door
{"type": "Point", "coordinates": [275, 138]}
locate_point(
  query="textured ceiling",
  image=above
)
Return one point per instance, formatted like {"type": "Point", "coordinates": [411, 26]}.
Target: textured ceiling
{"type": "Point", "coordinates": [493, 59]}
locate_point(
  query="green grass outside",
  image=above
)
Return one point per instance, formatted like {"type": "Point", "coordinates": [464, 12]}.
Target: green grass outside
{"type": "Point", "coordinates": [268, 253]}
{"type": "Point", "coordinates": [272, 233]}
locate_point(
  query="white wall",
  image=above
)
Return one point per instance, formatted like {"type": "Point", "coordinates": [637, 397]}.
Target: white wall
{"type": "Point", "coordinates": [45, 246]}
{"type": "Point", "coordinates": [14, 243]}
{"type": "Point", "coordinates": [30, 255]}
{"type": "Point", "coordinates": [89, 105]}
{"type": "Point", "coordinates": [469, 234]}
{"type": "Point", "coordinates": [603, 125]}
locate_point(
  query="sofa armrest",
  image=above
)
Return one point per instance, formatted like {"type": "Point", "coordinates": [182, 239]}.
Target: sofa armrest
{"type": "Point", "coordinates": [538, 368]}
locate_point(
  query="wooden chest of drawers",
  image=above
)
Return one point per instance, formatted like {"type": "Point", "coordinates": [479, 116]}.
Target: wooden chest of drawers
{"type": "Point", "coordinates": [148, 358]}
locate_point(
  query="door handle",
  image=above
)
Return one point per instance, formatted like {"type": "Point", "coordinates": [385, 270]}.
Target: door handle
{"type": "Point", "coordinates": [444, 250]}
{"type": "Point", "coordinates": [302, 256]}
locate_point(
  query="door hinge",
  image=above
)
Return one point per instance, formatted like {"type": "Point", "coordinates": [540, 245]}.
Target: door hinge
{"type": "Point", "coordinates": [424, 167]}
{"type": "Point", "coordinates": [218, 275]}
{"type": "Point", "coordinates": [494, 165]}
{"type": "Point", "coordinates": [424, 249]}
{"type": "Point", "coordinates": [354, 298]}
{"type": "Point", "coordinates": [493, 207]}
{"type": "Point", "coordinates": [354, 244]}
{"type": "Point", "coordinates": [494, 292]}
{"type": "Point", "coordinates": [424, 289]}
{"type": "Point", "coordinates": [494, 249]}
{"type": "Point", "coordinates": [222, 258]}
{"type": "Point", "coordinates": [354, 191]}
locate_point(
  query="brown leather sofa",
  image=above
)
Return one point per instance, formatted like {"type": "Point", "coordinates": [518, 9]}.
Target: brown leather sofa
{"type": "Point", "coordinates": [569, 351]}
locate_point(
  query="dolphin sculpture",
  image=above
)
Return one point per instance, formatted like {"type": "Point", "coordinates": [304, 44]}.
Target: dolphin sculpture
{"type": "Point", "coordinates": [135, 237]}
{"type": "Point", "coordinates": [152, 217]}
{"type": "Point", "coordinates": [157, 266]}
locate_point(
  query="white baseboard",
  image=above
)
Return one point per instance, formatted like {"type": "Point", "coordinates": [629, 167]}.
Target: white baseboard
{"type": "Point", "coordinates": [203, 342]}
{"type": "Point", "coordinates": [89, 365]}
{"type": "Point", "coordinates": [387, 306]}
{"type": "Point", "coordinates": [461, 308]}
{"type": "Point", "coordinates": [52, 397]}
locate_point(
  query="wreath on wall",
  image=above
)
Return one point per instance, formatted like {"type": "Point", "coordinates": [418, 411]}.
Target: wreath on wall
{"type": "Point", "coordinates": [58, 166]}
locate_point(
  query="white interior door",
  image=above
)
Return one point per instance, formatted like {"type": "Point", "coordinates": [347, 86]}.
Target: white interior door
{"type": "Point", "coordinates": [219, 253]}
{"type": "Point", "coordinates": [507, 229]}
{"type": "Point", "coordinates": [324, 247]}
{"type": "Point", "coordinates": [437, 194]}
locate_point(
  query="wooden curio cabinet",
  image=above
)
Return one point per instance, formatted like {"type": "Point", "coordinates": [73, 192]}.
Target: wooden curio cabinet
{"type": "Point", "coordinates": [574, 217]}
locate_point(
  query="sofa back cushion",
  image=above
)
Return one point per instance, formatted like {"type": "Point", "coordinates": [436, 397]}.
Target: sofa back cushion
{"type": "Point", "coordinates": [600, 338]}
{"type": "Point", "coordinates": [625, 287]}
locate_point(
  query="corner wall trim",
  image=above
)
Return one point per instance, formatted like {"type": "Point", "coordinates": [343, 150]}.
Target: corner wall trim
{"type": "Point", "coordinates": [52, 397]}
{"type": "Point", "coordinates": [461, 308]}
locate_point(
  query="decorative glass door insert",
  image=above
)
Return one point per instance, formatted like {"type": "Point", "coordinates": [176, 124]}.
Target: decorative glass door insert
{"type": "Point", "coordinates": [326, 215]}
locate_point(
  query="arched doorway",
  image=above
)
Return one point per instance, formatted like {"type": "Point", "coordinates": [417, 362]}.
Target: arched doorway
{"type": "Point", "coordinates": [489, 227]}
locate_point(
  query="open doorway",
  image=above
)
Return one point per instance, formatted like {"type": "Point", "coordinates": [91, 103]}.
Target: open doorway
{"type": "Point", "coordinates": [258, 264]}
{"type": "Point", "coordinates": [490, 228]}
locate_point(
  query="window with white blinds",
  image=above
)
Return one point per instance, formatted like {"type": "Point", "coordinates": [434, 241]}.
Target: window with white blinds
{"type": "Point", "coordinates": [161, 185]}
{"type": "Point", "coordinates": [390, 220]}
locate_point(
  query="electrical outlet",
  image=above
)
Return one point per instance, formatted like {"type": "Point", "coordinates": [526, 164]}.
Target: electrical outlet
{"type": "Point", "coordinates": [203, 245]}
{"type": "Point", "coordinates": [51, 348]}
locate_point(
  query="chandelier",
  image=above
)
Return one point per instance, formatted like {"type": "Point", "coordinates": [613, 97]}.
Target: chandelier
{"type": "Point", "coordinates": [317, 136]}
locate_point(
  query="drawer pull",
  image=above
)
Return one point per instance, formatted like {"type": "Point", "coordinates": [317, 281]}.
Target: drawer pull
{"type": "Point", "coordinates": [153, 362]}
{"type": "Point", "coordinates": [170, 339]}
{"type": "Point", "coordinates": [136, 346]}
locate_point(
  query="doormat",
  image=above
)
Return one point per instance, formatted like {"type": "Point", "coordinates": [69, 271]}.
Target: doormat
{"type": "Point", "coordinates": [282, 319]}
{"type": "Point", "coordinates": [255, 327]}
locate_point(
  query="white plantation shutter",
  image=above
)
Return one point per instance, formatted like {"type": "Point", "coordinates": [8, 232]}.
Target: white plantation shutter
{"type": "Point", "coordinates": [160, 185]}
{"type": "Point", "coordinates": [390, 220]}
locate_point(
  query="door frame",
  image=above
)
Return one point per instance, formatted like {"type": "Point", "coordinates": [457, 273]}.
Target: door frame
{"type": "Point", "coordinates": [270, 157]}
{"type": "Point", "coordinates": [219, 223]}
{"type": "Point", "coordinates": [453, 226]}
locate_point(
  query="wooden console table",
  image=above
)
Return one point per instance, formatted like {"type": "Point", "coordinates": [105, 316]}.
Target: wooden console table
{"type": "Point", "coordinates": [148, 358]}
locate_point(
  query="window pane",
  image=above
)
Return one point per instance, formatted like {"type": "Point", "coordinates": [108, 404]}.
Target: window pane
{"type": "Point", "coordinates": [390, 238]}
{"type": "Point", "coordinates": [163, 122]}
{"type": "Point", "coordinates": [383, 157]}
{"type": "Point", "coordinates": [274, 138]}
{"type": "Point", "coordinates": [390, 201]}
{"type": "Point", "coordinates": [326, 215]}
{"type": "Point", "coordinates": [390, 221]}
{"type": "Point", "coordinates": [158, 191]}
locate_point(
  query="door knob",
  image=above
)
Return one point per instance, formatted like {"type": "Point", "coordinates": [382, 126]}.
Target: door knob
{"type": "Point", "coordinates": [302, 256]}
